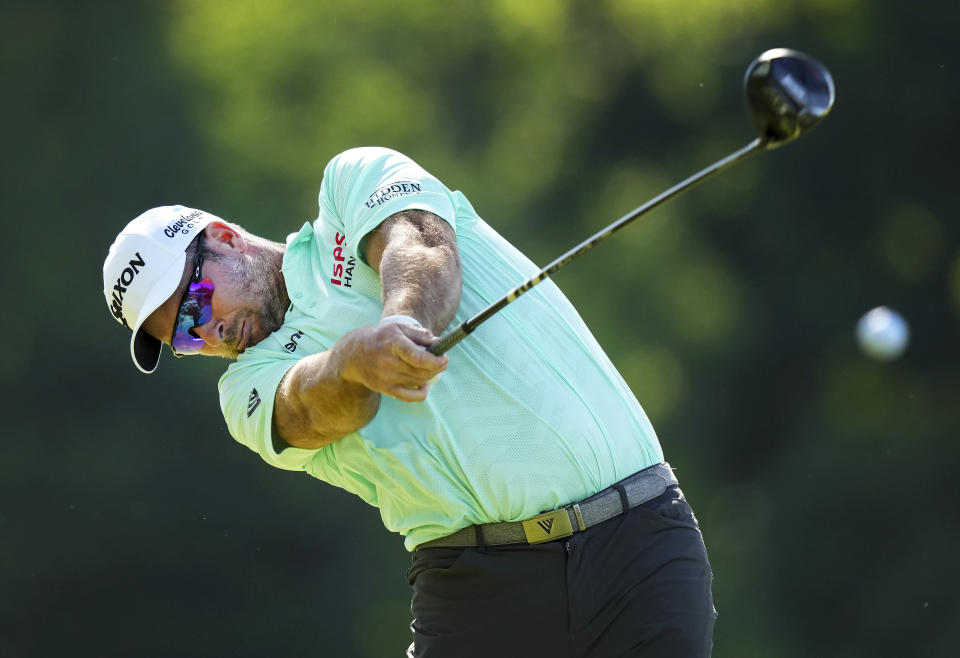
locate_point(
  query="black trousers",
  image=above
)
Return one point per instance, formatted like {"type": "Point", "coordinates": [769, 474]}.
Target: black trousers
{"type": "Point", "coordinates": [636, 585]}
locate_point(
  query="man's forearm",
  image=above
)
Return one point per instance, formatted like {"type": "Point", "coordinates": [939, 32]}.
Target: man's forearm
{"type": "Point", "coordinates": [420, 269]}
{"type": "Point", "coordinates": [316, 404]}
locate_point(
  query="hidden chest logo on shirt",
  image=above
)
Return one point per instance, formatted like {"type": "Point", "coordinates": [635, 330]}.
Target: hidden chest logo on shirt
{"type": "Point", "coordinates": [342, 265]}
{"type": "Point", "coordinates": [392, 191]}
{"type": "Point", "coordinates": [292, 345]}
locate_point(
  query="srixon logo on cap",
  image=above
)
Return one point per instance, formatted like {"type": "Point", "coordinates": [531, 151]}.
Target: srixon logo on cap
{"type": "Point", "coordinates": [126, 277]}
{"type": "Point", "coordinates": [182, 225]}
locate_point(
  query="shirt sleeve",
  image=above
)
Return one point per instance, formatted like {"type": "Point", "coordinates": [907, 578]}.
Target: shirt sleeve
{"type": "Point", "coordinates": [247, 392]}
{"type": "Point", "coordinates": [364, 186]}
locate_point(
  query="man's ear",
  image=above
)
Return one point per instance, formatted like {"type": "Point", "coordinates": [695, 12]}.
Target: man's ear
{"type": "Point", "coordinates": [225, 236]}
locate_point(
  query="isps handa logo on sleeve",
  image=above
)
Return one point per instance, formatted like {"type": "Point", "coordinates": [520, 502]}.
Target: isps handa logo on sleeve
{"type": "Point", "coordinates": [342, 264]}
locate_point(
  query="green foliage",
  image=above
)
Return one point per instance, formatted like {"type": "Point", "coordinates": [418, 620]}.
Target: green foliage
{"type": "Point", "coordinates": [824, 482]}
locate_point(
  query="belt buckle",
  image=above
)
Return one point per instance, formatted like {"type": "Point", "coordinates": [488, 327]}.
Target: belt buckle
{"type": "Point", "coordinates": [547, 526]}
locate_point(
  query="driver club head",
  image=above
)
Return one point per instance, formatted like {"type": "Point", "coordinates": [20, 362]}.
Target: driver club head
{"type": "Point", "coordinates": [788, 92]}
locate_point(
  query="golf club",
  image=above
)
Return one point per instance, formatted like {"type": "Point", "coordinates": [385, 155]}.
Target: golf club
{"type": "Point", "coordinates": [787, 93]}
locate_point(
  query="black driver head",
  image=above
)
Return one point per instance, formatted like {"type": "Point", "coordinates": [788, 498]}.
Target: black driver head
{"type": "Point", "coordinates": [788, 92]}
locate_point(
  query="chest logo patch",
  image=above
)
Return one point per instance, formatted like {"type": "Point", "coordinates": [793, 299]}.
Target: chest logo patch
{"type": "Point", "coordinates": [292, 345]}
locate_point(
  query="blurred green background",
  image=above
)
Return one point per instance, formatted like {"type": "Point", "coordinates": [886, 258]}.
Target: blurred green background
{"type": "Point", "coordinates": [131, 524]}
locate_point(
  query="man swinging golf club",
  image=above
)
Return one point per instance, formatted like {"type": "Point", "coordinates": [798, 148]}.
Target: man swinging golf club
{"type": "Point", "coordinates": [527, 481]}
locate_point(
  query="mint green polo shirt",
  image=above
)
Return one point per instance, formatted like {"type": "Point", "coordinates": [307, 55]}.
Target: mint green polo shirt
{"type": "Point", "coordinates": [529, 416]}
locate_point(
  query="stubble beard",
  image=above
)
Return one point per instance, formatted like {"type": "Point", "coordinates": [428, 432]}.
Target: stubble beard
{"type": "Point", "coordinates": [262, 278]}
{"type": "Point", "coordinates": [273, 294]}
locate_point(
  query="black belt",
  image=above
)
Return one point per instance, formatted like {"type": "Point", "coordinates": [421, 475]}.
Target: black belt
{"type": "Point", "coordinates": [635, 490]}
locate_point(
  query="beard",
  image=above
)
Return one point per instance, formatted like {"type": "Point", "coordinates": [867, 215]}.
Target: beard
{"type": "Point", "coordinates": [261, 279]}
{"type": "Point", "coordinates": [269, 287]}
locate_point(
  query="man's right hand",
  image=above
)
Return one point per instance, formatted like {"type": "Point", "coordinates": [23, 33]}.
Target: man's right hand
{"type": "Point", "coordinates": [390, 359]}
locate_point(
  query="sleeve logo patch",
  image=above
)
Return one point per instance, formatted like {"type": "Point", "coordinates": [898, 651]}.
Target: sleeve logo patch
{"type": "Point", "coordinates": [392, 191]}
{"type": "Point", "coordinates": [342, 265]}
{"type": "Point", "coordinates": [253, 402]}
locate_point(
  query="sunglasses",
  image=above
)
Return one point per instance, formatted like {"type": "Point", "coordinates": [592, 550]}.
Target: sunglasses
{"type": "Point", "coordinates": [195, 309]}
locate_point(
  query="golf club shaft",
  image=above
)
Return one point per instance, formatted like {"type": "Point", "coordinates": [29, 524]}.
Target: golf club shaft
{"type": "Point", "coordinates": [453, 337]}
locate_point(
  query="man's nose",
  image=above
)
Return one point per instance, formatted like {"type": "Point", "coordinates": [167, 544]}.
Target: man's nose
{"type": "Point", "coordinates": [211, 332]}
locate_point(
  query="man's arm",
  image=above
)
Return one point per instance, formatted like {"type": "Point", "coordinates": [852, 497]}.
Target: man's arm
{"type": "Point", "coordinates": [328, 395]}
{"type": "Point", "coordinates": [415, 254]}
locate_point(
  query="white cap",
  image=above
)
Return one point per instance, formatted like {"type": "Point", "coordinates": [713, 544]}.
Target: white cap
{"type": "Point", "coordinates": [144, 267]}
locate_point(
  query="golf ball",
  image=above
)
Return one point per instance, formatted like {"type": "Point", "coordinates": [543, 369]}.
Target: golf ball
{"type": "Point", "coordinates": [883, 334]}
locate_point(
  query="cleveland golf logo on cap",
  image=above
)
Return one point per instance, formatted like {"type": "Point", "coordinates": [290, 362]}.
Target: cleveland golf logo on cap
{"type": "Point", "coordinates": [183, 225]}
{"type": "Point", "coordinates": [126, 278]}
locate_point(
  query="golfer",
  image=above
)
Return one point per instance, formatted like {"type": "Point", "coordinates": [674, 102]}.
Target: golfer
{"type": "Point", "coordinates": [520, 470]}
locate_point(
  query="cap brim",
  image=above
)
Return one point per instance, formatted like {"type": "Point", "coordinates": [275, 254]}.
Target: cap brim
{"type": "Point", "coordinates": [144, 348]}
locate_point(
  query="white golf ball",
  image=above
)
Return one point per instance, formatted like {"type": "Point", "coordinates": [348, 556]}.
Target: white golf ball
{"type": "Point", "coordinates": [883, 334]}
